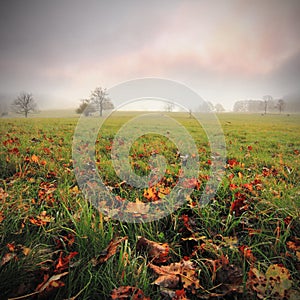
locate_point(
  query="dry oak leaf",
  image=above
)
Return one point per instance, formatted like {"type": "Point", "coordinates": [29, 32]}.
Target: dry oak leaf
{"type": "Point", "coordinates": [128, 293]}
{"type": "Point", "coordinates": [170, 276]}
{"type": "Point", "coordinates": [108, 252]}
{"type": "Point", "coordinates": [157, 252]}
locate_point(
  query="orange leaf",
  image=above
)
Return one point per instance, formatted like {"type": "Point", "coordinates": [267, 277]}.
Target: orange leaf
{"type": "Point", "coordinates": [247, 253]}
{"type": "Point", "coordinates": [63, 262]}
{"type": "Point", "coordinates": [35, 158]}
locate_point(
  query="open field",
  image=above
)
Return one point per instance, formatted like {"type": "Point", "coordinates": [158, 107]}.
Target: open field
{"type": "Point", "coordinates": [244, 245]}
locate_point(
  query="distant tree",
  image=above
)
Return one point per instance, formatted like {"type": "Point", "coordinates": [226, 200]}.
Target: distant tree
{"type": "Point", "coordinates": [3, 109]}
{"type": "Point", "coordinates": [24, 104]}
{"type": "Point", "coordinates": [267, 99]}
{"type": "Point", "coordinates": [281, 105]}
{"type": "Point", "coordinates": [206, 106]}
{"type": "Point", "coordinates": [240, 106]}
{"type": "Point", "coordinates": [85, 107]}
{"type": "Point", "coordinates": [169, 106]}
{"type": "Point", "coordinates": [219, 107]}
{"type": "Point", "coordinates": [99, 97]}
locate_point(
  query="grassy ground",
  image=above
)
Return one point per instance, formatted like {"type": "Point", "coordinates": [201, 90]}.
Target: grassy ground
{"type": "Point", "coordinates": [244, 245]}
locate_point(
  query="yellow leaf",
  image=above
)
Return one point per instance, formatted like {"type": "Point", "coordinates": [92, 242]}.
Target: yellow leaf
{"type": "Point", "coordinates": [26, 251]}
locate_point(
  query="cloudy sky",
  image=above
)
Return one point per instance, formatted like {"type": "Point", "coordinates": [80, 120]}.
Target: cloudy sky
{"type": "Point", "coordinates": [225, 50]}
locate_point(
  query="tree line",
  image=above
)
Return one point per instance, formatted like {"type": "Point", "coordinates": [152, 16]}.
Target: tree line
{"type": "Point", "coordinates": [267, 105]}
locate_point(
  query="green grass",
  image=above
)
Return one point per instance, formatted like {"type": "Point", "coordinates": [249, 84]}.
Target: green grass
{"type": "Point", "coordinates": [42, 209]}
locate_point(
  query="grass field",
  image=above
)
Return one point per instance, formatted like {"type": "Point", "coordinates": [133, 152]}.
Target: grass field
{"type": "Point", "coordinates": [244, 245]}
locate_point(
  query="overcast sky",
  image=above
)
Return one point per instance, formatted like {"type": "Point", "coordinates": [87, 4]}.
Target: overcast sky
{"type": "Point", "coordinates": [224, 50]}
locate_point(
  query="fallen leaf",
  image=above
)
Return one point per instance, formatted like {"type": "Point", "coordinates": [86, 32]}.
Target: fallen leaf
{"type": "Point", "coordinates": [137, 208]}
{"type": "Point", "coordinates": [2, 217]}
{"type": "Point", "coordinates": [128, 293]}
{"type": "Point", "coordinates": [50, 283]}
{"type": "Point", "coordinates": [63, 262]}
{"type": "Point", "coordinates": [108, 252]}
{"type": "Point", "coordinates": [157, 252]}
{"type": "Point", "coordinates": [3, 194]}
{"type": "Point", "coordinates": [274, 284]}
{"type": "Point", "coordinates": [247, 253]}
{"type": "Point", "coordinates": [35, 159]}
{"type": "Point", "coordinates": [279, 280]}
{"type": "Point", "coordinates": [170, 276]}
{"type": "Point", "coordinates": [11, 247]}
{"type": "Point", "coordinates": [231, 241]}
{"type": "Point", "coordinates": [7, 257]}
{"type": "Point", "coordinates": [26, 251]}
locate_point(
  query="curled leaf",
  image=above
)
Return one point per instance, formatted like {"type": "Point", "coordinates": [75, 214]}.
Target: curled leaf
{"type": "Point", "coordinates": [108, 252]}
{"type": "Point", "coordinates": [158, 252]}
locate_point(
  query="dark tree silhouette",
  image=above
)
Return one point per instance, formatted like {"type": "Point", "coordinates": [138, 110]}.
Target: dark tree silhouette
{"type": "Point", "coordinates": [24, 104]}
{"type": "Point", "coordinates": [267, 99]}
{"type": "Point", "coordinates": [169, 106]}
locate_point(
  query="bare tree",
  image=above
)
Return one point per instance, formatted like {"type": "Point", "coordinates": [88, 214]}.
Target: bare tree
{"type": "Point", "coordinates": [169, 106]}
{"type": "Point", "coordinates": [100, 98]}
{"type": "Point", "coordinates": [267, 99]}
{"type": "Point", "coordinates": [280, 105]}
{"type": "Point", "coordinates": [24, 104]}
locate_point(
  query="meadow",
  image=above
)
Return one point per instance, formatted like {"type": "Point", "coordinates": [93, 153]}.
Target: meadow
{"type": "Point", "coordinates": [245, 244]}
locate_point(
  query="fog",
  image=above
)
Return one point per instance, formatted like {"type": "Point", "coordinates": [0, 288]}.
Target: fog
{"type": "Point", "coordinates": [60, 50]}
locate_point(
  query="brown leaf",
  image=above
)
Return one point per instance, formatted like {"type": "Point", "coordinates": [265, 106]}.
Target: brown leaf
{"type": "Point", "coordinates": [108, 252]}
{"type": "Point", "coordinates": [171, 275]}
{"type": "Point", "coordinates": [137, 208]}
{"type": "Point", "coordinates": [2, 217]}
{"type": "Point", "coordinates": [7, 257]}
{"type": "Point", "coordinates": [158, 252]}
{"type": "Point", "coordinates": [276, 283]}
{"type": "Point", "coordinates": [3, 195]}
{"type": "Point", "coordinates": [50, 283]}
{"type": "Point", "coordinates": [128, 293]}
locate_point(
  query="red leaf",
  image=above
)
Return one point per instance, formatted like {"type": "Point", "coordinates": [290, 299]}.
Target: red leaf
{"type": "Point", "coordinates": [63, 262]}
